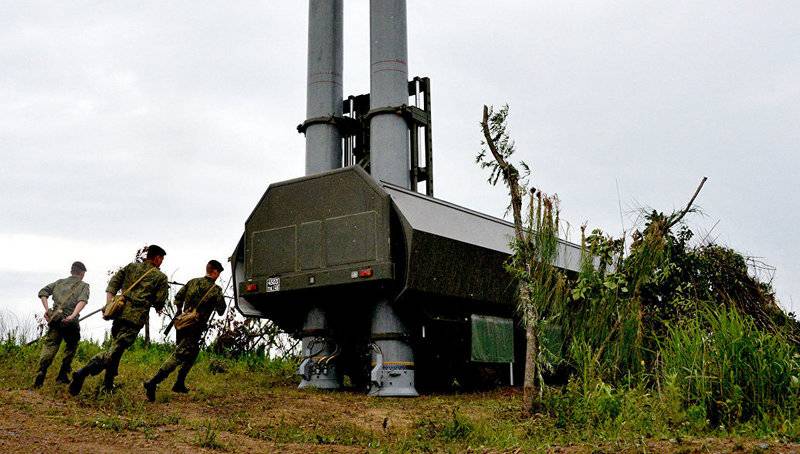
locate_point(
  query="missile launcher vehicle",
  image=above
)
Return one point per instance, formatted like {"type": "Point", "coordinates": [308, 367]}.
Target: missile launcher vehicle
{"type": "Point", "coordinates": [392, 288]}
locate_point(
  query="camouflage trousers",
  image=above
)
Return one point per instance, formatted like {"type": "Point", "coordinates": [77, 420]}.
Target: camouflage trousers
{"type": "Point", "coordinates": [187, 347]}
{"type": "Point", "coordinates": [123, 335]}
{"type": "Point", "coordinates": [70, 333]}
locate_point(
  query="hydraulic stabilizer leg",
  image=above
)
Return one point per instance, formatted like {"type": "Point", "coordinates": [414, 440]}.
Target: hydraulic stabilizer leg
{"type": "Point", "coordinates": [318, 367]}
{"type": "Point", "coordinates": [392, 358]}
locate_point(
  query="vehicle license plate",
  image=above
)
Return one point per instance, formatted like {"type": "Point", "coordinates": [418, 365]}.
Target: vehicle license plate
{"type": "Point", "coordinates": [273, 284]}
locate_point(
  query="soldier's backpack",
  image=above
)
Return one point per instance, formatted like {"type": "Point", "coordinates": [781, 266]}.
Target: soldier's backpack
{"type": "Point", "coordinates": [191, 318]}
{"type": "Point", "coordinates": [114, 307]}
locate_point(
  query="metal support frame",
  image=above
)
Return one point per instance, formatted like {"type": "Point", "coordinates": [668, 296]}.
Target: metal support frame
{"type": "Point", "coordinates": [356, 143]}
{"type": "Point", "coordinates": [420, 119]}
{"type": "Point", "coordinates": [354, 127]}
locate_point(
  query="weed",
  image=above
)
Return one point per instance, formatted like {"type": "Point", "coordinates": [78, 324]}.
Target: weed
{"type": "Point", "coordinates": [109, 423]}
{"type": "Point", "coordinates": [457, 428]}
{"type": "Point", "coordinates": [207, 438]}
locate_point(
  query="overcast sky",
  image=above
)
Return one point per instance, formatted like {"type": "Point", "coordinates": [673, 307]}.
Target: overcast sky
{"type": "Point", "coordinates": [129, 122]}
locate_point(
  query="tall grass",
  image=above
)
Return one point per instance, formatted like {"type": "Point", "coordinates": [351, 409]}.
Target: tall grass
{"type": "Point", "coordinates": [13, 328]}
{"type": "Point", "coordinates": [722, 363]}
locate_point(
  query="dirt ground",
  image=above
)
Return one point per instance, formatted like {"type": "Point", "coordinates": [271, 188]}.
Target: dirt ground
{"type": "Point", "coordinates": [49, 420]}
{"type": "Point", "coordinates": [32, 421]}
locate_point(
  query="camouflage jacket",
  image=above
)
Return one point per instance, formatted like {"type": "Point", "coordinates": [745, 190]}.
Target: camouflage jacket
{"type": "Point", "coordinates": [191, 294]}
{"type": "Point", "coordinates": [150, 291]}
{"type": "Point", "coordinates": [66, 293]}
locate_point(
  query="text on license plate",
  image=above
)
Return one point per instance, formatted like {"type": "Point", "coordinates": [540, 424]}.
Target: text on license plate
{"type": "Point", "coordinates": [273, 284]}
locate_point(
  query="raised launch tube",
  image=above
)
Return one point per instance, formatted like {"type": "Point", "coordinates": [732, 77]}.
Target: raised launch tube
{"type": "Point", "coordinates": [392, 358]}
{"type": "Point", "coordinates": [324, 92]}
{"type": "Point", "coordinates": [323, 153]}
{"type": "Point", "coordinates": [388, 141]}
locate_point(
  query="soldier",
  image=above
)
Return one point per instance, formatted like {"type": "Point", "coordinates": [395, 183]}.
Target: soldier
{"type": "Point", "coordinates": [143, 285]}
{"type": "Point", "coordinates": [196, 301]}
{"type": "Point", "coordinates": [70, 296]}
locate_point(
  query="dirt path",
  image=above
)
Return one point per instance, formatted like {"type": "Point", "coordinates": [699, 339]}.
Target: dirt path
{"type": "Point", "coordinates": [32, 422]}
{"type": "Point", "coordinates": [275, 420]}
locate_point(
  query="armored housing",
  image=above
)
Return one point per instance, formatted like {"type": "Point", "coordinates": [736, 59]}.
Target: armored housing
{"type": "Point", "coordinates": [340, 241]}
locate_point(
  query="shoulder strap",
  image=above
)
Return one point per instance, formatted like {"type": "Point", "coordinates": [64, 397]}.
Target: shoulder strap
{"type": "Point", "coordinates": [208, 292]}
{"type": "Point", "coordinates": [138, 280]}
{"type": "Point", "coordinates": [71, 293]}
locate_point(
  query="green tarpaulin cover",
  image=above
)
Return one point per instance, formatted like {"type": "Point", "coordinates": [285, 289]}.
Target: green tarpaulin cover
{"type": "Point", "coordinates": [492, 339]}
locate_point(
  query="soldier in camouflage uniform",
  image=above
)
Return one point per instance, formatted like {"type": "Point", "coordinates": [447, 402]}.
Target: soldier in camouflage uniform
{"type": "Point", "coordinates": [152, 290]}
{"type": "Point", "coordinates": [70, 296]}
{"type": "Point", "coordinates": [203, 296]}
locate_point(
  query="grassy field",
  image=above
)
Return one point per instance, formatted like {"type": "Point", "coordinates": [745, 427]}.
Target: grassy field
{"type": "Point", "coordinates": [251, 405]}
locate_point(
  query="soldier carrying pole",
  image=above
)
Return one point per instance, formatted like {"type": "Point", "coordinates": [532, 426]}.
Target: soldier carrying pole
{"type": "Point", "coordinates": [70, 296]}
{"type": "Point", "coordinates": [195, 302]}
{"type": "Point", "coordinates": [143, 285]}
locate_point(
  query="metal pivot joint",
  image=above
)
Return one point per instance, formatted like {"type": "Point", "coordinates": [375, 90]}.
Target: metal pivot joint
{"type": "Point", "coordinates": [354, 128]}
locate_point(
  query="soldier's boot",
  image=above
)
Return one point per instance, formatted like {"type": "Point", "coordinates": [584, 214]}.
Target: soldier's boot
{"type": "Point", "coordinates": [150, 390]}
{"type": "Point", "coordinates": [180, 382]}
{"type": "Point", "coordinates": [108, 383]}
{"type": "Point", "coordinates": [39, 380]}
{"type": "Point", "coordinates": [78, 377]}
{"type": "Point", "coordinates": [63, 376]}
{"type": "Point", "coordinates": [151, 385]}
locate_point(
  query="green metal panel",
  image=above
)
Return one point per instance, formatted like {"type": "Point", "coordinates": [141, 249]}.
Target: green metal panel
{"type": "Point", "coordinates": [441, 266]}
{"type": "Point", "coordinates": [492, 339]}
{"type": "Point", "coordinates": [280, 243]}
{"type": "Point", "coordinates": [350, 239]}
{"type": "Point", "coordinates": [309, 245]}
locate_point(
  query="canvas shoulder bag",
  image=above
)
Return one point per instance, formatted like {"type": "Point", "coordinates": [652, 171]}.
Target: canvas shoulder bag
{"type": "Point", "coordinates": [114, 307]}
{"type": "Point", "coordinates": [191, 318]}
